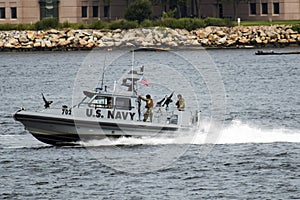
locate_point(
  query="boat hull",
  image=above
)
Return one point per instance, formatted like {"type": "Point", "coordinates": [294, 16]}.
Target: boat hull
{"type": "Point", "coordinates": [67, 130]}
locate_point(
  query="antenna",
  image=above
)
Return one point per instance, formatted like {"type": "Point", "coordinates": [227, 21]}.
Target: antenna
{"type": "Point", "coordinates": [103, 72]}
{"type": "Point", "coordinates": [132, 63]}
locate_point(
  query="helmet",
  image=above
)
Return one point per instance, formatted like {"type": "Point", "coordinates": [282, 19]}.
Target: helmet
{"type": "Point", "coordinates": [148, 96]}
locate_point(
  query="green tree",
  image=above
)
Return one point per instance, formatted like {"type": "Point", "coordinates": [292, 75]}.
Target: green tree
{"type": "Point", "coordinates": [180, 4]}
{"type": "Point", "coordinates": [139, 10]}
{"type": "Point", "coordinates": [197, 7]}
{"type": "Point", "coordinates": [235, 4]}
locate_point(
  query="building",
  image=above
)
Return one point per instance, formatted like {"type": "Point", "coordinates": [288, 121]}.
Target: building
{"type": "Point", "coordinates": [253, 10]}
{"type": "Point", "coordinates": [75, 11]}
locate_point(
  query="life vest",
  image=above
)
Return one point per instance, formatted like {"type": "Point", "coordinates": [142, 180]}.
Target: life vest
{"type": "Point", "coordinates": [150, 103]}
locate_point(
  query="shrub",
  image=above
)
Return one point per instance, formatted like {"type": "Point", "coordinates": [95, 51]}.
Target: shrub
{"type": "Point", "coordinates": [65, 24]}
{"type": "Point", "coordinates": [214, 21]}
{"type": "Point", "coordinates": [169, 14]}
{"type": "Point", "coordinates": [147, 23]}
{"type": "Point", "coordinates": [81, 25]}
{"type": "Point", "coordinates": [296, 27]}
{"type": "Point", "coordinates": [182, 23]}
{"type": "Point", "coordinates": [123, 24]}
{"type": "Point", "coordinates": [46, 23]}
{"type": "Point", "coordinates": [7, 27]}
{"type": "Point", "coordinates": [25, 27]}
{"type": "Point", "coordinates": [168, 22]}
{"type": "Point", "coordinates": [229, 22]}
{"type": "Point", "coordinates": [139, 10]}
{"type": "Point", "coordinates": [97, 24]}
{"type": "Point", "coordinates": [218, 22]}
{"type": "Point", "coordinates": [191, 23]}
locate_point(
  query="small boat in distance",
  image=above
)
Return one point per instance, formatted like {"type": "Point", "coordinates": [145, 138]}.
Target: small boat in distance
{"type": "Point", "coordinates": [102, 113]}
{"type": "Point", "coordinates": [275, 53]}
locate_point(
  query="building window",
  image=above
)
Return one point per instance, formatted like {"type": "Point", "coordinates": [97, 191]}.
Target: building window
{"type": "Point", "coordinates": [106, 11]}
{"type": "Point", "coordinates": [264, 8]}
{"type": "Point", "coordinates": [220, 10]}
{"type": "Point", "coordinates": [2, 13]}
{"type": "Point", "coordinates": [48, 8]}
{"type": "Point", "coordinates": [276, 8]}
{"type": "Point", "coordinates": [252, 8]}
{"type": "Point", "coordinates": [95, 11]}
{"type": "Point", "coordinates": [84, 11]}
{"type": "Point", "coordinates": [13, 11]}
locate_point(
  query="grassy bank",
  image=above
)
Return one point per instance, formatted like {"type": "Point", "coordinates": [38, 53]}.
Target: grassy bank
{"type": "Point", "coordinates": [269, 23]}
{"type": "Point", "coordinates": [182, 23]}
{"type": "Point", "coordinates": [294, 23]}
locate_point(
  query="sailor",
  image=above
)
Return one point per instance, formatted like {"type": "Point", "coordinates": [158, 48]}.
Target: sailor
{"type": "Point", "coordinates": [149, 106]}
{"type": "Point", "coordinates": [180, 103]}
{"type": "Point", "coordinates": [110, 105]}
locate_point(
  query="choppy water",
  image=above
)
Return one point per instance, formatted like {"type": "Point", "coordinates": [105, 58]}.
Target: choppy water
{"type": "Point", "coordinates": [255, 155]}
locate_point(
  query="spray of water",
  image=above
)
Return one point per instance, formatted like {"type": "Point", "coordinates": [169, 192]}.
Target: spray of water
{"type": "Point", "coordinates": [235, 133]}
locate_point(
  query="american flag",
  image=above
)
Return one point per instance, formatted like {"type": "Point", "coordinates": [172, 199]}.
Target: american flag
{"type": "Point", "coordinates": [144, 81]}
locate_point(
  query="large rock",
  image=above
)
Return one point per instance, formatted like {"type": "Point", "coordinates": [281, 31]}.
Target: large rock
{"type": "Point", "coordinates": [208, 30]}
{"type": "Point", "coordinates": [82, 42]}
{"type": "Point", "coordinates": [201, 34]}
{"type": "Point", "coordinates": [292, 41]}
{"type": "Point", "coordinates": [244, 40]}
{"type": "Point", "coordinates": [23, 38]}
{"type": "Point", "coordinates": [222, 40]}
{"type": "Point", "coordinates": [128, 44]}
{"type": "Point", "coordinates": [258, 40]}
{"type": "Point", "coordinates": [283, 41]}
{"type": "Point", "coordinates": [118, 43]}
{"type": "Point", "coordinates": [233, 37]}
{"type": "Point", "coordinates": [230, 42]}
{"type": "Point", "coordinates": [48, 43]}
{"type": "Point", "coordinates": [172, 43]}
{"type": "Point", "coordinates": [195, 43]}
{"type": "Point", "coordinates": [90, 45]}
{"type": "Point", "coordinates": [37, 44]}
{"type": "Point", "coordinates": [108, 44]}
{"type": "Point", "coordinates": [70, 33]}
{"type": "Point", "coordinates": [98, 34]}
{"type": "Point", "coordinates": [64, 42]}
{"type": "Point", "coordinates": [13, 41]}
{"type": "Point", "coordinates": [220, 33]}
{"type": "Point", "coordinates": [31, 35]}
{"type": "Point", "coordinates": [9, 45]}
{"type": "Point", "coordinates": [205, 41]}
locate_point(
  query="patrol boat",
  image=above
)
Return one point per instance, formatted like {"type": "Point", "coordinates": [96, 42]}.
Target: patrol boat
{"type": "Point", "coordinates": [103, 114]}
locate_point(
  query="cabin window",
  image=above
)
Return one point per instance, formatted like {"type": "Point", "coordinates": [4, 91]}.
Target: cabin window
{"type": "Point", "coordinates": [102, 102]}
{"type": "Point", "coordinates": [123, 103]}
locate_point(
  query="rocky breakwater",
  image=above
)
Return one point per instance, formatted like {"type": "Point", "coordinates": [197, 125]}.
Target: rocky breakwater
{"type": "Point", "coordinates": [148, 37]}
{"type": "Point", "coordinates": [88, 39]}
{"type": "Point", "coordinates": [239, 36]}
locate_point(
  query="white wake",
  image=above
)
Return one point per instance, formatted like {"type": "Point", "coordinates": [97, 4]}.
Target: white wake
{"type": "Point", "coordinates": [235, 133]}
